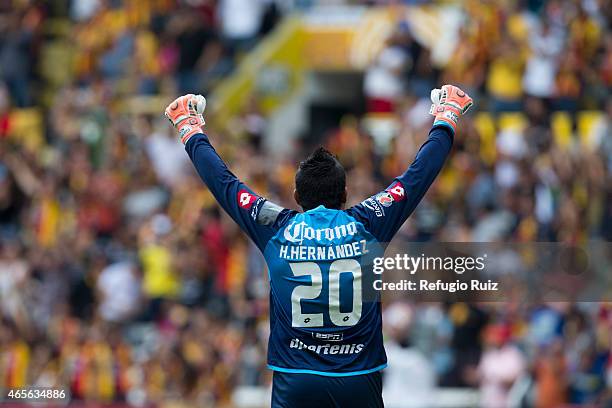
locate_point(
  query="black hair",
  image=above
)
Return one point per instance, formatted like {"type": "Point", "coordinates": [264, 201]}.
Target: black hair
{"type": "Point", "coordinates": [321, 180]}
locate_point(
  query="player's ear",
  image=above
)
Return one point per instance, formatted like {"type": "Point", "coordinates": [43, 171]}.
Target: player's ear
{"type": "Point", "coordinates": [296, 197]}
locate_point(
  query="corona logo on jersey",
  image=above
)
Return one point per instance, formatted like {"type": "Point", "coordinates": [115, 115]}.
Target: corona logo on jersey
{"type": "Point", "coordinates": [298, 232]}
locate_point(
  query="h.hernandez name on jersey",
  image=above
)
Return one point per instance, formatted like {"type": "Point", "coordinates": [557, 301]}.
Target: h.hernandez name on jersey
{"type": "Point", "coordinates": [316, 244]}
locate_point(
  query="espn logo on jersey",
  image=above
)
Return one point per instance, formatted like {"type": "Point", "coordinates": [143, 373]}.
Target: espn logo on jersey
{"type": "Point", "coordinates": [246, 199]}
{"type": "Point", "coordinates": [328, 336]}
{"type": "Point", "coordinates": [397, 191]}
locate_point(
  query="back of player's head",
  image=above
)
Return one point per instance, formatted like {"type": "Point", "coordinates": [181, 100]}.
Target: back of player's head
{"type": "Point", "coordinates": [320, 180]}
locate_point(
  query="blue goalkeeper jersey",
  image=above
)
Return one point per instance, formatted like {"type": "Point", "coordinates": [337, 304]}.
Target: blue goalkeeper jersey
{"type": "Point", "coordinates": [325, 317]}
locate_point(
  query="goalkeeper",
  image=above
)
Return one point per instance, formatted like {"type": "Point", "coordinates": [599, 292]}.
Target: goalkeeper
{"type": "Point", "coordinates": [326, 345]}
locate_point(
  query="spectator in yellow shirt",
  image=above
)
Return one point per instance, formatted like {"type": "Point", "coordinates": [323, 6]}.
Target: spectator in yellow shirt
{"type": "Point", "coordinates": [504, 80]}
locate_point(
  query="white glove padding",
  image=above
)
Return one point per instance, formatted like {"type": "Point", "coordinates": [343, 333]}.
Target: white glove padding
{"type": "Point", "coordinates": [200, 104]}
{"type": "Point", "coordinates": [437, 96]}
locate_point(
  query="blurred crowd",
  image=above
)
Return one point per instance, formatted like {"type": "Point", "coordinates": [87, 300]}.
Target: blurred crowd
{"type": "Point", "coordinates": [121, 279]}
{"type": "Point", "coordinates": [513, 182]}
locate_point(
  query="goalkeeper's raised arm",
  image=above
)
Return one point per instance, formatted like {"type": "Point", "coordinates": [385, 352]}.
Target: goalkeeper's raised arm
{"type": "Point", "coordinates": [254, 214]}
{"type": "Point", "coordinates": [385, 212]}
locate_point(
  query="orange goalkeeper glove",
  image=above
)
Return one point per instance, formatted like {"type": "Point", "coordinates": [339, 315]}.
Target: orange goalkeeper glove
{"type": "Point", "coordinates": [185, 114]}
{"type": "Point", "coordinates": [449, 104]}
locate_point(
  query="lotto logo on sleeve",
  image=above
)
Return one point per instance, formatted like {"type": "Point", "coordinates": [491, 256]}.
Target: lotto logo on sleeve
{"type": "Point", "coordinates": [246, 199]}
{"type": "Point", "coordinates": [397, 191]}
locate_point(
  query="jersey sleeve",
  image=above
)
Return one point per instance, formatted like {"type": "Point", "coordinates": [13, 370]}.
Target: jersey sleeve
{"type": "Point", "coordinates": [255, 215]}
{"type": "Point", "coordinates": [385, 212]}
